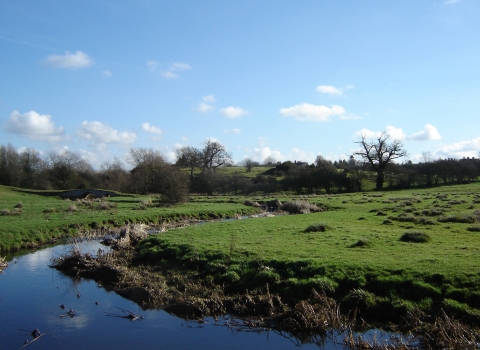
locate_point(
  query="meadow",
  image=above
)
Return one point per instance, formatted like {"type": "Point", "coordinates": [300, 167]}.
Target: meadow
{"type": "Point", "coordinates": [29, 220]}
{"type": "Point", "coordinates": [384, 253]}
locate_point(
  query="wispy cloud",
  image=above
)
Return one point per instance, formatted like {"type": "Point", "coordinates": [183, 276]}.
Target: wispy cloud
{"type": "Point", "coordinates": [332, 90]}
{"type": "Point", "coordinates": [450, 2]}
{"type": "Point", "coordinates": [69, 60]}
{"type": "Point", "coordinates": [172, 72]}
{"type": "Point", "coordinates": [310, 112]}
{"type": "Point", "coordinates": [107, 74]}
{"type": "Point", "coordinates": [232, 131]}
{"type": "Point", "coordinates": [206, 105]}
{"type": "Point", "coordinates": [156, 131]}
{"type": "Point", "coordinates": [233, 112]}
{"type": "Point", "coordinates": [34, 126]}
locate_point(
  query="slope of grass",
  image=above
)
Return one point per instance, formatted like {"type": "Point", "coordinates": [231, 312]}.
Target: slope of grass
{"type": "Point", "coordinates": [441, 273]}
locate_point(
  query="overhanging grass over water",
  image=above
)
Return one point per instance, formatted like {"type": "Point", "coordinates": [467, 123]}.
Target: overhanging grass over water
{"type": "Point", "coordinates": [385, 277]}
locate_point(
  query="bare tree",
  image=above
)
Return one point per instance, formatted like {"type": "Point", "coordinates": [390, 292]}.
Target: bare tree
{"type": "Point", "coordinates": [215, 155]}
{"type": "Point", "coordinates": [379, 153]}
{"type": "Point", "coordinates": [189, 157]}
{"type": "Point", "coordinates": [269, 161]}
{"type": "Point", "coordinates": [249, 164]}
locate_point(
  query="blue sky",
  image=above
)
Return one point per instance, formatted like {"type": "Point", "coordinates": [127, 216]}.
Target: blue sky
{"type": "Point", "coordinates": [286, 79]}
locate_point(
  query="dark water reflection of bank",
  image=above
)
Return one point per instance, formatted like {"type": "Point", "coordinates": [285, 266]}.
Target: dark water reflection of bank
{"type": "Point", "coordinates": [31, 294]}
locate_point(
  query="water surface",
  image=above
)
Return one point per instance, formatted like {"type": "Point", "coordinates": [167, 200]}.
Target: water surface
{"type": "Point", "coordinates": [31, 294]}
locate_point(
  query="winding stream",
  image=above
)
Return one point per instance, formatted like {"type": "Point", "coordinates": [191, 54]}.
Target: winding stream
{"type": "Point", "coordinates": [31, 294]}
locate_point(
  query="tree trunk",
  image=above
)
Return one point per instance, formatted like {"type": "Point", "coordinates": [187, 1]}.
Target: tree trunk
{"type": "Point", "coordinates": [380, 180]}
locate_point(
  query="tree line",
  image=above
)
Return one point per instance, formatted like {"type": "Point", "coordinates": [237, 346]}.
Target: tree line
{"type": "Point", "coordinates": [195, 171]}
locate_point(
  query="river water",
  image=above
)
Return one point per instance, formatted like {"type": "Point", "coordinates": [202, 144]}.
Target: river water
{"type": "Point", "coordinates": [31, 294]}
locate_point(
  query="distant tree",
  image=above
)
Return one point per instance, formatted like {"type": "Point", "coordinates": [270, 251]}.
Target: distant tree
{"type": "Point", "coordinates": [114, 176]}
{"type": "Point", "coordinates": [215, 155]}
{"type": "Point", "coordinates": [64, 170]}
{"type": "Point", "coordinates": [269, 161]}
{"type": "Point", "coordinates": [249, 164]}
{"type": "Point", "coordinates": [379, 153]}
{"type": "Point", "coordinates": [152, 174]}
{"type": "Point", "coordinates": [32, 166]}
{"type": "Point", "coordinates": [189, 157]}
{"type": "Point", "coordinates": [9, 165]}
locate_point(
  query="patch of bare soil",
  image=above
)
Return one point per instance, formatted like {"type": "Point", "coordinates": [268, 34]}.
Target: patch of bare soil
{"type": "Point", "coordinates": [186, 295]}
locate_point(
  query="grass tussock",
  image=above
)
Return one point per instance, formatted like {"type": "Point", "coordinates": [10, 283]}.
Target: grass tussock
{"type": "Point", "coordinates": [362, 243]}
{"type": "Point", "coordinates": [415, 237]}
{"type": "Point", "coordinates": [464, 219]}
{"type": "Point", "coordinates": [318, 227]}
{"type": "Point", "coordinates": [300, 207]}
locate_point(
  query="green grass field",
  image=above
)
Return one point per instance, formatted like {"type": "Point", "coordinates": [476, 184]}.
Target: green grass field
{"type": "Point", "coordinates": [358, 258]}
{"type": "Point", "coordinates": [42, 218]}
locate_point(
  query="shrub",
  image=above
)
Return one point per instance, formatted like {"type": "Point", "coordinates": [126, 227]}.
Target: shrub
{"type": "Point", "coordinates": [415, 237]}
{"type": "Point", "coordinates": [318, 227]}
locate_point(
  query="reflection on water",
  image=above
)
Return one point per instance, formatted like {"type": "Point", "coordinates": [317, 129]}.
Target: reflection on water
{"type": "Point", "coordinates": [31, 294]}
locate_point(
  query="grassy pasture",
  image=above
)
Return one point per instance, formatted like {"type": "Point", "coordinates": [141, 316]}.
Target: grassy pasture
{"type": "Point", "coordinates": [39, 219]}
{"type": "Point", "coordinates": [357, 255]}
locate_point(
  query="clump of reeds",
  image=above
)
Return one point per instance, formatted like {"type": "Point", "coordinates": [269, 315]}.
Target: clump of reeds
{"type": "Point", "coordinates": [448, 333]}
{"type": "Point", "coordinates": [318, 227]}
{"type": "Point", "coordinates": [3, 264]}
{"type": "Point", "coordinates": [300, 207]}
{"type": "Point", "coordinates": [72, 208]}
{"type": "Point", "coordinates": [415, 237]}
{"type": "Point", "coordinates": [104, 205]}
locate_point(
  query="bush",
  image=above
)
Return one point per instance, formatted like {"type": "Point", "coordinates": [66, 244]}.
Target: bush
{"type": "Point", "coordinates": [318, 227]}
{"type": "Point", "coordinates": [415, 237]}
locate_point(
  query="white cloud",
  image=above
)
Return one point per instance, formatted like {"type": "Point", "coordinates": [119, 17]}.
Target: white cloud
{"type": "Point", "coordinates": [175, 67]}
{"type": "Point", "coordinates": [259, 155]}
{"type": "Point", "coordinates": [328, 89]}
{"type": "Point", "coordinates": [392, 132]}
{"type": "Point", "coordinates": [206, 105]}
{"type": "Point", "coordinates": [107, 74]}
{"type": "Point", "coordinates": [309, 112]}
{"type": "Point", "coordinates": [233, 112]}
{"type": "Point", "coordinates": [34, 126]}
{"type": "Point", "coordinates": [470, 148]}
{"type": "Point", "coordinates": [332, 90]}
{"type": "Point", "coordinates": [428, 133]}
{"type": "Point", "coordinates": [153, 130]}
{"type": "Point", "coordinates": [75, 60]}
{"type": "Point", "coordinates": [180, 66]}
{"type": "Point", "coordinates": [262, 141]}
{"type": "Point", "coordinates": [100, 133]}
{"type": "Point", "coordinates": [209, 99]}
{"type": "Point", "coordinates": [170, 75]}
{"type": "Point", "coordinates": [233, 131]}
